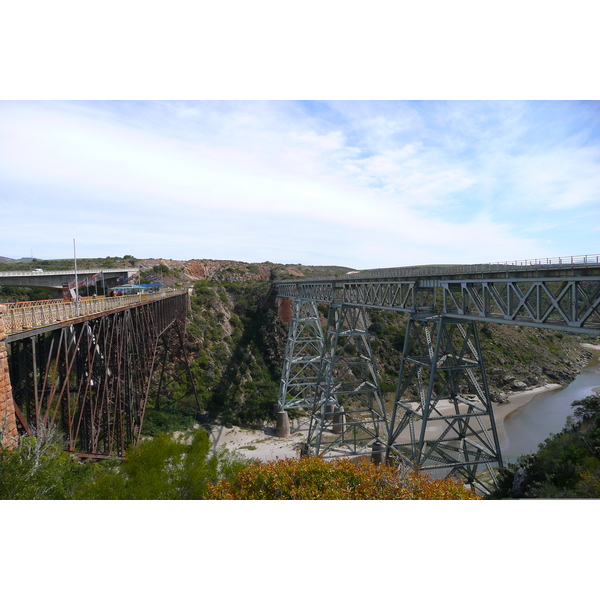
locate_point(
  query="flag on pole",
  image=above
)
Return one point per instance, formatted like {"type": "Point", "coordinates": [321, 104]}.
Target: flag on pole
{"type": "Point", "coordinates": [97, 276]}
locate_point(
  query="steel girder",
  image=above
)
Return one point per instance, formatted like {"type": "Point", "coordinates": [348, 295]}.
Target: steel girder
{"type": "Point", "coordinates": [567, 304]}
{"type": "Point", "coordinates": [443, 416]}
{"type": "Point", "coordinates": [348, 415]}
{"type": "Point", "coordinates": [91, 379]}
{"type": "Point", "coordinates": [571, 304]}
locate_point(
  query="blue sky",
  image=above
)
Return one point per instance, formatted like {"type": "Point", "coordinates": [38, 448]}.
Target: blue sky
{"type": "Point", "coordinates": [362, 184]}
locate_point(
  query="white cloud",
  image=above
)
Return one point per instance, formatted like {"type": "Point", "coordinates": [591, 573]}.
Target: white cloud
{"type": "Point", "coordinates": [364, 184]}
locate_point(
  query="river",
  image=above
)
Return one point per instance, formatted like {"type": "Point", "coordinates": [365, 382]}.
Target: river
{"type": "Point", "coordinates": [547, 413]}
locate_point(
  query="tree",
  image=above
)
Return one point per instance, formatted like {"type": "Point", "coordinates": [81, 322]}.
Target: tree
{"type": "Point", "coordinates": [315, 479]}
{"type": "Point", "coordinates": [39, 470]}
{"type": "Point", "coordinates": [165, 468]}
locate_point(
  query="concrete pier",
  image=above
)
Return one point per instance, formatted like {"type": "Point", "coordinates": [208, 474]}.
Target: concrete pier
{"type": "Point", "coordinates": [282, 428]}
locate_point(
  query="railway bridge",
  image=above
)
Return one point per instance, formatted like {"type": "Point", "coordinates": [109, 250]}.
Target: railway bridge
{"type": "Point", "coordinates": [85, 367]}
{"type": "Point", "coordinates": [441, 417]}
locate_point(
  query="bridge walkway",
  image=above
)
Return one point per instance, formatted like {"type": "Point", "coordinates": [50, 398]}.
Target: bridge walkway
{"type": "Point", "coordinates": [561, 294]}
{"type": "Point", "coordinates": [20, 318]}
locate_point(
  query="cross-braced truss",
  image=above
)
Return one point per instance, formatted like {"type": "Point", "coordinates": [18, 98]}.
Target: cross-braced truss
{"type": "Point", "coordinates": [443, 417]}
{"type": "Point", "coordinates": [303, 355]}
{"type": "Point", "coordinates": [555, 303]}
{"type": "Point", "coordinates": [348, 414]}
{"type": "Point", "coordinates": [564, 303]}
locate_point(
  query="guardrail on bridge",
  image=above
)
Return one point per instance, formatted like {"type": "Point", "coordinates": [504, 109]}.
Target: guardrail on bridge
{"type": "Point", "coordinates": [534, 264]}
{"type": "Point", "coordinates": [21, 316]}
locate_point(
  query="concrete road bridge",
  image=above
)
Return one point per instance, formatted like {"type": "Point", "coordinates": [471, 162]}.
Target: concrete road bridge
{"type": "Point", "coordinates": [86, 368]}
{"type": "Point", "coordinates": [441, 418]}
{"type": "Point", "coordinates": [54, 280]}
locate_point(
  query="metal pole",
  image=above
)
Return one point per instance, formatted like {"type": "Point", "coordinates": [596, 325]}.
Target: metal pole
{"type": "Point", "coordinates": [76, 280]}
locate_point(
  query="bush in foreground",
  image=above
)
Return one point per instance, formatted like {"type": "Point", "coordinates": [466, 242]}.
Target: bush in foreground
{"type": "Point", "coordinates": [315, 479]}
{"type": "Point", "coordinates": [39, 470]}
{"type": "Point", "coordinates": [165, 468]}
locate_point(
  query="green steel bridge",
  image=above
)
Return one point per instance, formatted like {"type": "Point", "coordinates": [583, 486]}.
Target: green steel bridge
{"type": "Point", "coordinates": [441, 417]}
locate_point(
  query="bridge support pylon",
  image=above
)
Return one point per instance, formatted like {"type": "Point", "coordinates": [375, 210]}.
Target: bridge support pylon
{"type": "Point", "coordinates": [303, 355]}
{"type": "Point", "coordinates": [348, 415]}
{"type": "Point", "coordinates": [443, 419]}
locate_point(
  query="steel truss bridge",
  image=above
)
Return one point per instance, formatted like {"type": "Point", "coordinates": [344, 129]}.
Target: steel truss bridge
{"type": "Point", "coordinates": [442, 414]}
{"type": "Point", "coordinates": [87, 367]}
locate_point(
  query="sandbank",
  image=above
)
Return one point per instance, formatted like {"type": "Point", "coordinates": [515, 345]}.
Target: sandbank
{"type": "Point", "coordinates": [264, 445]}
{"type": "Point", "coordinates": [515, 401]}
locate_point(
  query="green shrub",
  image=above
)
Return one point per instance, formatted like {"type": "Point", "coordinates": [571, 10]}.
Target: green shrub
{"type": "Point", "coordinates": [165, 469]}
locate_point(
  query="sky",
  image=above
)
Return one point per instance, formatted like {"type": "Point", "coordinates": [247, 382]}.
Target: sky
{"type": "Point", "coordinates": [362, 184]}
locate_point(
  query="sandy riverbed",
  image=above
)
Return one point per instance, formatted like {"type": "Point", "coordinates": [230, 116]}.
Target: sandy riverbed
{"type": "Point", "coordinates": [265, 445]}
{"type": "Point", "coordinates": [262, 445]}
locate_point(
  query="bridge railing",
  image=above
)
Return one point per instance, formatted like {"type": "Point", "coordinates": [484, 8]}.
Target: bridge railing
{"type": "Point", "coordinates": [582, 259]}
{"type": "Point", "coordinates": [21, 316]}
{"type": "Point", "coordinates": [537, 264]}
{"type": "Point", "coordinates": [31, 303]}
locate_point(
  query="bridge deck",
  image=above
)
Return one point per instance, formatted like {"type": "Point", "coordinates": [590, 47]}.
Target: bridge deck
{"type": "Point", "coordinates": [20, 319]}
{"type": "Point", "coordinates": [559, 294]}
{"type": "Point", "coordinates": [546, 267]}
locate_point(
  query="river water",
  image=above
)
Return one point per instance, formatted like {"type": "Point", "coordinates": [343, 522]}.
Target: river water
{"type": "Point", "coordinates": [547, 413]}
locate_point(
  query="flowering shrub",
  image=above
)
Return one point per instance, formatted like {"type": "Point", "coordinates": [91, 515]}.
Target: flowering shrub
{"type": "Point", "coordinates": [315, 479]}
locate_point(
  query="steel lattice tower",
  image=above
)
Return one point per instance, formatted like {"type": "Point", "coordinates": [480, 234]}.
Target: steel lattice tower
{"type": "Point", "coordinates": [348, 415]}
{"type": "Point", "coordinates": [303, 355]}
{"type": "Point", "coordinates": [442, 416]}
